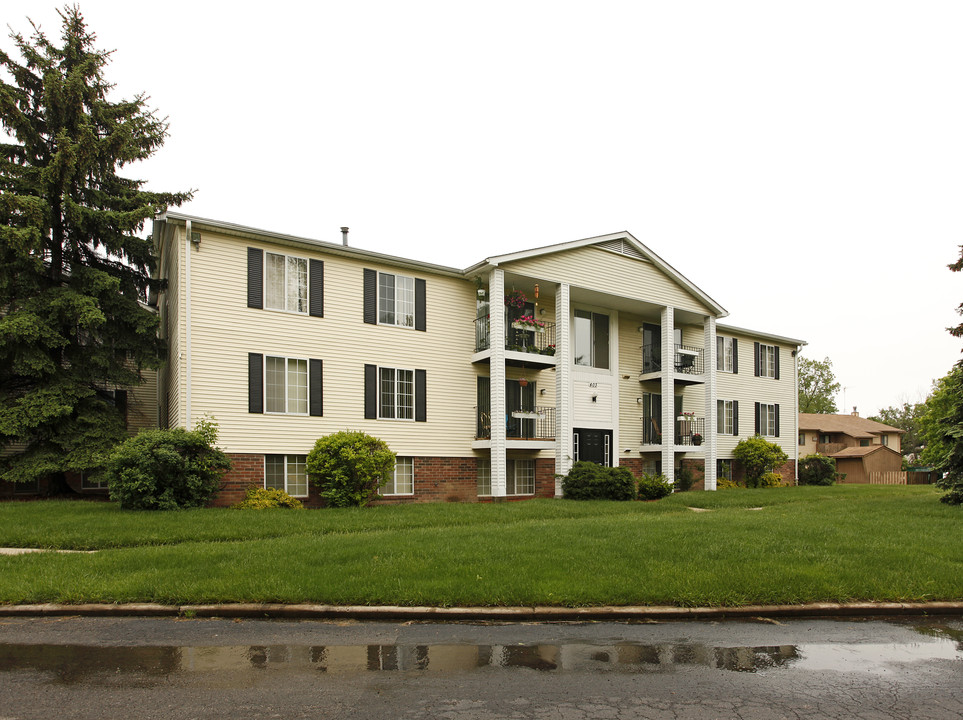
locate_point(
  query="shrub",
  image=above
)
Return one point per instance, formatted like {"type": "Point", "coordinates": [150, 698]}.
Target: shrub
{"type": "Point", "coordinates": [727, 484]}
{"type": "Point", "coordinates": [589, 481]}
{"type": "Point", "coordinates": [684, 479]}
{"type": "Point", "coordinates": [654, 487]}
{"type": "Point", "coordinates": [258, 498]}
{"type": "Point", "coordinates": [349, 467]}
{"type": "Point", "coordinates": [167, 469]}
{"type": "Point", "coordinates": [770, 479]}
{"type": "Point", "coordinates": [758, 456]}
{"type": "Point", "coordinates": [817, 469]}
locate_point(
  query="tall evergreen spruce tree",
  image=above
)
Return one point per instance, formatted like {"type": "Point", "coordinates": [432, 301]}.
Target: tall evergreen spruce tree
{"type": "Point", "coordinates": [74, 273]}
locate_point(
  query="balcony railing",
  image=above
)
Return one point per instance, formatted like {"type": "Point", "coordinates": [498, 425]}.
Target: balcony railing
{"type": "Point", "coordinates": [537, 423]}
{"type": "Point", "coordinates": [829, 448]}
{"type": "Point", "coordinates": [685, 430]}
{"type": "Point", "coordinates": [539, 339]}
{"type": "Point", "coordinates": [688, 359]}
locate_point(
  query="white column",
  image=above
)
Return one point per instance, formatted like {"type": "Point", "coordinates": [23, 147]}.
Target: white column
{"type": "Point", "coordinates": [668, 393]}
{"type": "Point", "coordinates": [563, 384]}
{"type": "Point", "coordinates": [710, 441]}
{"type": "Point", "coordinates": [496, 291]}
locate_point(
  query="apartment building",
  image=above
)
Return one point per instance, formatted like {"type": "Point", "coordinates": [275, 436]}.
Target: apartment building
{"type": "Point", "coordinates": [486, 381]}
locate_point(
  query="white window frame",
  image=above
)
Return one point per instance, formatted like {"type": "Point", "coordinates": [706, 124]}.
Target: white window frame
{"type": "Point", "coordinates": [767, 361]}
{"type": "Point", "coordinates": [286, 393]}
{"type": "Point", "coordinates": [520, 474]}
{"type": "Point", "coordinates": [393, 310]}
{"type": "Point", "coordinates": [724, 353]}
{"type": "Point", "coordinates": [725, 422]}
{"type": "Point", "coordinates": [724, 469]}
{"type": "Point", "coordinates": [767, 420]}
{"type": "Point", "coordinates": [484, 478]}
{"type": "Point", "coordinates": [402, 480]}
{"type": "Point", "coordinates": [294, 471]}
{"type": "Point", "coordinates": [592, 360]}
{"type": "Point", "coordinates": [87, 484]}
{"type": "Point", "coordinates": [802, 438]}
{"type": "Point", "coordinates": [295, 278]}
{"type": "Point", "coordinates": [399, 410]}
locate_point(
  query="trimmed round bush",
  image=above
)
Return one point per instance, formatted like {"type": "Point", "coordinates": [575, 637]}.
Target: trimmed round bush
{"type": "Point", "coordinates": [349, 467]}
{"type": "Point", "coordinates": [258, 498]}
{"type": "Point", "coordinates": [654, 487]}
{"type": "Point", "coordinates": [589, 481]}
{"type": "Point", "coordinates": [166, 469]}
{"type": "Point", "coordinates": [817, 470]}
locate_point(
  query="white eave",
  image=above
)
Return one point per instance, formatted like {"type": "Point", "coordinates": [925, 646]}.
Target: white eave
{"type": "Point", "coordinates": [199, 224]}
{"type": "Point", "coordinates": [780, 339]}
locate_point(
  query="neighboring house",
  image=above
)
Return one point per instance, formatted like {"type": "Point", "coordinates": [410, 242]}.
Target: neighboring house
{"type": "Point", "coordinates": [284, 340]}
{"type": "Point", "coordinates": [858, 445]}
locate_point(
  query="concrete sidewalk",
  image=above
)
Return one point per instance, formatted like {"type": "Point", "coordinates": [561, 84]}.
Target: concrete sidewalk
{"type": "Point", "coordinates": [507, 614]}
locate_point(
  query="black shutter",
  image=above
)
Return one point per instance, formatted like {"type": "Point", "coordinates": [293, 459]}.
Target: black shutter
{"type": "Point", "coordinates": [777, 421]}
{"type": "Point", "coordinates": [420, 305]}
{"type": "Point", "coordinates": [755, 357]}
{"type": "Point", "coordinates": [255, 383]}
{"type": "Point", "coordinates": [735, 356]}
{"type": "Point", "coordinates": [421, 398]}
{"type": "Point", "coordinates": [370, 297]}
{"type": "Point", "coordinates": [735, 416]}
{"type": "Point", "coordinates": [255, 278]}
{"type": "Point", "coordinates": [315, 388]}
{"type": "Point", "coordinates": [370, 391]}
{"type": "Point", "coordinates": [720, 414]}
{"type": "Point", "coordinates": [120, 402]}
{"type": "Point", "coordinates": [316, 288]}
{"type": "Point", "coordinates": [757, 418]}
{"type": "Point", "coordinates": [777, 364]}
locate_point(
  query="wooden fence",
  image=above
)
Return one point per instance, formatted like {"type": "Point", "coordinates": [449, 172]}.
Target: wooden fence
{"type": "Point", "coordinates": [901, 477]}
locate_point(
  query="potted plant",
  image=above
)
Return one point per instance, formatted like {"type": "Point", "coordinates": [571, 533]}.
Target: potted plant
{"type": "Point", "coordinates": [515, 299]}
{"type": "Point", "coordinates": [529, 323]}
{"type": "Point", "coordinates": [696, 439]}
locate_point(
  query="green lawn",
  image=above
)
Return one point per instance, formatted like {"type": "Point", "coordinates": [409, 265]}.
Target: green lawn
{"type": "Point", "coordinates": [788, 545]}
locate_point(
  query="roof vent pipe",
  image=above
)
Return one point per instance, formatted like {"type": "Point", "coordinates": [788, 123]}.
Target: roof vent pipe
{"type": "Point", "coordinates": [344, 236]}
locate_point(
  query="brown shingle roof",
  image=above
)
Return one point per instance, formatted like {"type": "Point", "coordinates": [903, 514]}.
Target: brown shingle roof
{"type": "Point", "coordinates": [856, 452]}
{"type": "Point", "coordinates": [851, 425]}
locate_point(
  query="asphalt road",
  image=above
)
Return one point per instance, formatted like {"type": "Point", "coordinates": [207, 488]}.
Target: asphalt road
{"type": "Point", "coordinates": [166, 668]}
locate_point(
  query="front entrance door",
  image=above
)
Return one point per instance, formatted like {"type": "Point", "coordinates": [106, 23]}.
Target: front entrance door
{"type": "Point", "coordinates": [593, 445]}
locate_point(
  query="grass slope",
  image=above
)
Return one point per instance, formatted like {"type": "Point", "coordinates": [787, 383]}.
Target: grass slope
{"type": "Point", "coordinates": [789, 545]}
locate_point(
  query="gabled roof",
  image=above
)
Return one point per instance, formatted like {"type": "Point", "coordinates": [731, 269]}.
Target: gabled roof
{"type": "Point", "coordinates": [628, 245]}
{"type": "Point", "coordinates": [851, 425]}
{"type": "Point", "coordinates": [860, 452]}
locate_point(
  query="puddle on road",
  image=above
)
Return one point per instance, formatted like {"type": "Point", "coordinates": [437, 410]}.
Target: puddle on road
{"type": "Point", "coordinates": [82, 663]}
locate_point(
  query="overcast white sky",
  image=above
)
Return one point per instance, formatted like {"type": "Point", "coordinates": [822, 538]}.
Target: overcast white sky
{"type": "Point", "coordinates": [800, 162]}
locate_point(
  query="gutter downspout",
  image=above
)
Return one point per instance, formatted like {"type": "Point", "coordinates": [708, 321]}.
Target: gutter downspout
{"type": "Point", "coordinates": [187, 325]}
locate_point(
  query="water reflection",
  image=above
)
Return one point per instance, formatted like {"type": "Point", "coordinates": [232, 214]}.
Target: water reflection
{"type": "Point", "coordinates": [76, 663]}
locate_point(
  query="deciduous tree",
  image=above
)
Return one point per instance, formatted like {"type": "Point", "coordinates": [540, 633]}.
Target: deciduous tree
{"type": "Point", "coordinates": [74, 273]}
{"type": "Point", "coordinates": [905, 417]}
{"type": "Point", "coordinates": [817, 386]}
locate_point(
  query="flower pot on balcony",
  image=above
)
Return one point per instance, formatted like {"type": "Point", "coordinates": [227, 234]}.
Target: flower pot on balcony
{"type": "Point", "coordinates": [696, 439]}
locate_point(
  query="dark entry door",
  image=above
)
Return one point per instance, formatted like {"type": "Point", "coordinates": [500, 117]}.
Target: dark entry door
{"type": "Point", "coordinates": [594, 445]}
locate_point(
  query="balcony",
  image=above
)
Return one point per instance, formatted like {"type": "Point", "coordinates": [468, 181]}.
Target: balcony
{"type": "Point", "coordinates": [535, 424]}
{"type": "Point", "coordinates": [688, 363]}
{"type": "Point", "coordinates": [686, 431]}
{"type": "Point", "coordinates": [526, 344]}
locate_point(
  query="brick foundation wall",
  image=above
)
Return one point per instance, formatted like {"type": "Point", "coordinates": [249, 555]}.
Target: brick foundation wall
{"type": "Point", "coordinates": [437, 479]}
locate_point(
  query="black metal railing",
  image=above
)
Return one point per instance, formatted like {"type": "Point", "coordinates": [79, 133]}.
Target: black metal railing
{"type": "Point", "coordinates": [690, 431]}
{"type": "Point", "coordinates": [537, 423]}
{"type": "Point", "coordinates": [688, 360]}
{"type": "Point", "coordinates": [536, 337]}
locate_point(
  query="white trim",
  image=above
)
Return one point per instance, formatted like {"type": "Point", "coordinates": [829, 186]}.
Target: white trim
{"type": "Point", "coordinates": [307, 481]}
{"type": "Point", "coordinates": [284, 284]}
{"type": "Point", "coordinates": [395, 393]}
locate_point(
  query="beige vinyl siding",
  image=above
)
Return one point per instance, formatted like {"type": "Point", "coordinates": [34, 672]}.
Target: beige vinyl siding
{"type": "Point", "coordinates": [748, 390]}
{"type": "Point", "coordinates": [225, 330]}
{"type": "Point", "coordinates": [629, 387]}
{"type": "Point", "coordinates": [608, 272]}
{"type": "Point", "coordinates": [142, 403]}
